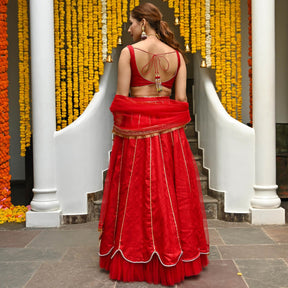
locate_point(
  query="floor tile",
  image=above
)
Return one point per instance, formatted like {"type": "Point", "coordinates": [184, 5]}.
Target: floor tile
{"type": "Point", "coordinates": [16, 238]}
{"type": "Point", "coordinates": [278, 234]}
{"type": "Point", "coordinates": [12, 226]}
{"type": "Point", "coordinates": [215, 223]}
{"type": "Point", "coordinates": [139, 285]}
{"type": "Point", "coordinates": [218, 274]}
{"type": "Point", "coordinates": [30, 254]}
{"type": "Point", "coordinates": [271, 273]}
{"type": "Point", "coordinates": [214, 237]}
{"type": "Point", "coordinates": [89, 225]}
{"type": "Point", "coordinates": [244, 236]}
{"type": "Point", "coordinates": [15, 275]}
{"type": "Point", "coordinates": [63, 238]}
{"type": "Point", "coordinates": [214, 253]}
{"type": "Point", "coordinates": [253, 251]}
{"type": "Point", "coordinates": [82, 255]}
{"type": "Point", "coordinates": [69, 274]}
{"type": "Point", "coordinates": [67, 257]}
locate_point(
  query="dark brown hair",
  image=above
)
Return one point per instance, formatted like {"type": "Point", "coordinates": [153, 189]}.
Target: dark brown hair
{"type": "Point", "coordinates": [153, 16]}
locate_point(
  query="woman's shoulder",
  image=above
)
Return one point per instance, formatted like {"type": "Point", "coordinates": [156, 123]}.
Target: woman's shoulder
{"type": "Point", "coordinates": [125, 55]}
{"type": "Point", "coordinates": [125, 51]}
{"type": "Point", "coordinates": [154, 47]}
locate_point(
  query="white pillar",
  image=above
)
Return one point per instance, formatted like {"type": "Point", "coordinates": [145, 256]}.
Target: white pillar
{"type": "Point", "coordinates": [265, 204]}
{"type": "Point", "coordinates": [45, 206]}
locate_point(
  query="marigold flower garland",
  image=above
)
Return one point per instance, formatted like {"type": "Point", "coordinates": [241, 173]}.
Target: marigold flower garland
{"type": "Point", "coordinates": [250, 61]}
{"type": "Point", "coordinates": [24, 76]}
{"type": "Point", "coordinates": [238, 60]}
{"type": "Point", "coordinates": [212, 33]}
{"type": "Point", "coordinates": [176, 5]}
{"type": "Point", "coordinates": [75, 58]}
{"type": "Point", "coordinates": [80, 46]}
{"type": "Point", "coordinates": [193, 25]}
{"type": "Point", "coordinates": [69, 61]}
{"type": "Point", "coordinates": [215, 31]}
{"type": "Point", "coordinates": [95, 33]}
{"type": "Point", "coordinates": [9, 212]}
{"type": "Point", "coordinates": [179, 6]}
{"type": "Point", "coordinates": [207, 34]}
{"type": "Point", "coordinates": [16, 214]}
{"type": "Point", "coordinates": [209, 26]}
{"type": "Point", "coordinates": [104, 30]}
{"type": "Point", "coordinates": [198, 24]}
{"type": "Point", "coordinates": [202, 29]}
{"type": "Point", "coordinates": [213, 27]}
{"type": "Point", "coordinates": [86, 31]}
{"type": "Point", "coordinates": [5, 199]}
{"type": "Point", "coordinates": [124, 10]}
{"type": "Point", "coordinates": [233, 51]}
{"type": "Point", "coordinates": [227, 57]}
{"type": "Point", "coordinates": [218, 73]}
{"type": "Point", "coordinates": [185, 21]}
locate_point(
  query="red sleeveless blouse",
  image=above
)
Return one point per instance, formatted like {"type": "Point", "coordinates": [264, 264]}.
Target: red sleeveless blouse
{"type": "Point", "coordinates": [138, 80]}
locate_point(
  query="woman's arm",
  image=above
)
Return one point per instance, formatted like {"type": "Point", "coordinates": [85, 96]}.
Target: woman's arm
{"type": "Point", "coordinates": [124, 73]}
{"type": "Point", "coordinates": [180, 82]}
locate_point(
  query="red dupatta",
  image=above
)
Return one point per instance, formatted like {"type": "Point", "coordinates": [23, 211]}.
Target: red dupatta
{"type": "Point", "coordinates": [159, 115]}
{"type": "Point", "coordinates": [164, 115]}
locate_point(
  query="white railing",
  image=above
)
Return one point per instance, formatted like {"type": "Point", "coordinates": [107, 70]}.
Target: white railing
{"type": "Point", "coordinates": [227, 144]}
{"type": "Point", "coordinates": [82, 148]}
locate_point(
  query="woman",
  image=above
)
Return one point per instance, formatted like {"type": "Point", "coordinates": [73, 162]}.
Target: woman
{"type": "Point", "coordinates": [152, 222]}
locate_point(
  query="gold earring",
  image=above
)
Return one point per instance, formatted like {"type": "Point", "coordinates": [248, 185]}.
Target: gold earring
{"type": "Point", "coordinates": [143, 34]}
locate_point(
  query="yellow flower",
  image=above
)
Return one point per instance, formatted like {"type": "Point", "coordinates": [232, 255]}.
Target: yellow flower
{"type": "Point", "coordinates": [24, 80]}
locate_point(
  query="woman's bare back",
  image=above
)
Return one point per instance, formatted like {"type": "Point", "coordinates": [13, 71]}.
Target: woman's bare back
{"type": "Point", "coordinates": [154, 57]}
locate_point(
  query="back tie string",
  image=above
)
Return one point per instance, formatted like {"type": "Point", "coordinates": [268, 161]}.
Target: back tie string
{"type": "Point", "coordinates": [156, 61]}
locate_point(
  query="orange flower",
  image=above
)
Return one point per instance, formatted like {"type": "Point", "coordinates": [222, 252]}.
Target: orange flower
{"type": "Point", "coordinates": [250, 61]}
{"type": "Point", "coordinates": [5, 199]}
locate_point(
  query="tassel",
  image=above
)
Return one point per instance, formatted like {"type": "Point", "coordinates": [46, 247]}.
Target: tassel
{"type": "Point", "coordinates": [158, 83]}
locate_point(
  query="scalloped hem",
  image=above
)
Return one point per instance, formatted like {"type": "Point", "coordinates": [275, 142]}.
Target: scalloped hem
{"type": "Point", "coordinates": [153, 271]}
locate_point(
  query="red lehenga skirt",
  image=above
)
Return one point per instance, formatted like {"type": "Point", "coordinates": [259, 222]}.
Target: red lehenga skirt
{"type": "Point", "coordinates": [152, 214]}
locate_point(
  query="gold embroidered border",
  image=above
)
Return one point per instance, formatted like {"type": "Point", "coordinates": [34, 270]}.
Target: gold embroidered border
{"type": "Point", "coordinates": [175, 223]}
{"type": "Point", "coordinates": [150, 176]}
{"type": "Point", "coordinates": [128, 190]}
{"type": "Point", "coordinates": [151, 134]}
{"type": "Point", "coordinates": [184, 158]}
{"type": "Point", "coordinates": [118, 191]}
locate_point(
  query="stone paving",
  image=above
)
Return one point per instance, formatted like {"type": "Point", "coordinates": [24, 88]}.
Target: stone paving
{"type": "Point", "coordinates": [67, 257]}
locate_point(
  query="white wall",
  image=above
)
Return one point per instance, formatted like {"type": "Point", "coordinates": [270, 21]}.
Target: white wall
{"type": "Point", "coordinates": [281, 61]}
{"type": "Point", "coordinates": [82, 148]}
{"type": "Point", "coordinates": [227, 144]}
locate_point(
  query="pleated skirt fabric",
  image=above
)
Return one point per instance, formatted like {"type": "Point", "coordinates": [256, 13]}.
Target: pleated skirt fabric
{"type": "Point", "coordinates": [155, 227]}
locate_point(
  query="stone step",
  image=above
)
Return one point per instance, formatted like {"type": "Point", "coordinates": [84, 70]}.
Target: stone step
{"type": "Point", "coordinates": [204, 184]}
{"type": "Point", "coordinates": [198, 160]}
{"type": "Point", "coordinates": [211, 204]}
{"type": "Point", "coordinates": [193, 142]}
{"type": "Point", "coordinates": [211, 207]}
{"type": "Point", "coordinates": [190, 130]}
